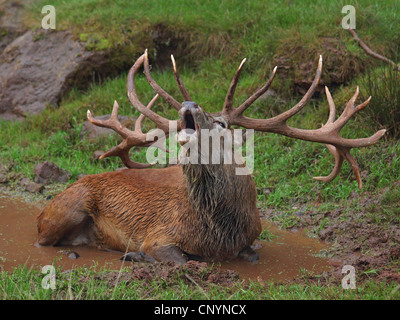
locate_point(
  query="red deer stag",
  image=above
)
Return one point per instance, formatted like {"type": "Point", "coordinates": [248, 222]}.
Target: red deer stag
{"type": "Point", "coordinates": [187, 211]}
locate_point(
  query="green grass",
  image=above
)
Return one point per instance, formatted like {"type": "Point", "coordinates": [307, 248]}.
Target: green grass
{"type": "Point", "coordinates": [285, 165]}
{"type": "Point", "coordinates": [382, 84]}
{"type": "Point", "coordinates": [217, 35]}
{"type": "Point", "coordinates": [266, 235]}
{"type": "Point", "coordinates": [93, 284]}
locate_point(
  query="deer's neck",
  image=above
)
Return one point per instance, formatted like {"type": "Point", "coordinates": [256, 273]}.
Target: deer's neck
{"type": "Point", "coordinates": [215, 190]}
{"type": "Point", "coordinates": [225, 217]}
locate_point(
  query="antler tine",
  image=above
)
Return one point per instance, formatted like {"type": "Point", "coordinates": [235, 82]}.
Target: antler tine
{"type": "Point", "coordinates": [181, 87]}
{"type": "Point", "coordinates": [235, 115]}
{"type": "Point", "coordinates": [139, 121]}
{"type": "Point", "coordinates": [138, 127]}
{"type": "Point", "coordinates": [228, 104]}
{"type": "Point", "coordinates": [338, 164]}
{"type": "Point", "coordinates": [350, 110]}
{"type": "Point", "coordinates": [130, 138]}
{"type": "Point", "coordinates": [291, 112]}
{"type": "Point", "coordinates": [230, 112]}
{"type": "Point", "coordinates": [161, 122]}
{"type": "Point", "coordinates": [136, 137]}
{"type": "Point", "coordinates": [340, 154]}
{"type": "Point", "coordinates": [112, 123]}
{"type": "Point", "coordinates": [171, 101]}
{"type": "Point", "coordinates": [332, 108]}
{"type": "Point", "coordinates": [242, 108]}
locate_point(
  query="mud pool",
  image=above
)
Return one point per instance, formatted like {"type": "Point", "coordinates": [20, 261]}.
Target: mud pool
{"type": "Point", "coordinates": [281, 259]}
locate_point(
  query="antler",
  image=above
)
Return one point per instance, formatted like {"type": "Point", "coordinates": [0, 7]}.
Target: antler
{"type": "Point", "coordinates": [181, 87]}
{"type": "Point", "coordinates": [161, 122]}
{"type": "Point", "coordinates": [137, 137]}
{"type": "Point", "coordinates": [130, 138]}
{"type": "Point", "coordinates": [328, 133]}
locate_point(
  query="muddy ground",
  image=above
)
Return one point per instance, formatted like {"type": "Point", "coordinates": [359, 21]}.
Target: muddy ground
{"type": "Point", "coordinates": [351, 232]}
{"type": "Point", "coordinates": [359, 233]}
{"type": "Point", "coordinates": [373, 249]}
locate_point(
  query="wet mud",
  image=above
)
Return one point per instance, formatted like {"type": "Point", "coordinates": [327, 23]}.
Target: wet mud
{"type": "Point", "coordinates": [362, 232]}
{"type": "Point", "coordinates": [18, 235]}
{"type": "Point", "coordinates": [282, 258]}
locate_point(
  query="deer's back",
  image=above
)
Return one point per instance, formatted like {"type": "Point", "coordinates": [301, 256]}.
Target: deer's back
{"type": "Point", "coordinates": [130, 204]}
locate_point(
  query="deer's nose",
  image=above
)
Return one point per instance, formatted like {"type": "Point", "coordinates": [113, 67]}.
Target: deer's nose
{"type": "Point", "coordinates": [190, 105]}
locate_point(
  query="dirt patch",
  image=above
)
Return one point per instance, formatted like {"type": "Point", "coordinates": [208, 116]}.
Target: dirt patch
{"type": "Point", "coordinates": [363, 232]}
{"type": "Point", "coordinates": [185, 44]}
{"type": "Point", "coordinates": [282, 256]}
{"type": "Point", "coordinates": [192, 273]}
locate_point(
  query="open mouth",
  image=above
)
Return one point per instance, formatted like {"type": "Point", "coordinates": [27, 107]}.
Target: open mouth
{"type": "Point", "coordinates": [190, 128]}
{"type": "Point", "coordinates": [189, 125]}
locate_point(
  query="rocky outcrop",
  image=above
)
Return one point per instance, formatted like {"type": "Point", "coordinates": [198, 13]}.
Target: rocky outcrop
{"type": "Point", "coordinates": [11, 21]}
{"type": "Point", "coordinates": [37, 68]}
{"type": "Point", "coordinates": [48, 172]}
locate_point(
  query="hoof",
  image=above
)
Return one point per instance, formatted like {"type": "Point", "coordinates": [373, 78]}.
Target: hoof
{"type": "Point", "coordinates": [138, 257]}
{"type": "Point", "coordinates": [249, 255]}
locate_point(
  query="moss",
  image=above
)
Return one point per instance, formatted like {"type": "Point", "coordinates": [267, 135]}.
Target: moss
{"type": "Point", "coordinates": [297, 56]}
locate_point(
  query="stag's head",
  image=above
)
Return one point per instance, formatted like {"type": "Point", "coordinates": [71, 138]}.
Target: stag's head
{"type": "Point", "coordinates": [205, 138]}
{"type": "Point", "coordinates": [195, 121]}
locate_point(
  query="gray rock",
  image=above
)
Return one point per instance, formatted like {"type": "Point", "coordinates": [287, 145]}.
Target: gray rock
{"type": "Point", "coordinates": [48, 172]}
{"type": "Point", "coordinates": [34, 187]}
{"type": "Point", "coordinates": [80, 176]}
{"type": "Point", "coordinates": [73, 255]}
{"type": "Point", "coordinates": [38, 67]}
{"type": "Point", "coordinates": [24, 182]}
{"type": "Point", "coordinates": [91, 132]}
{"type": "Point", "coordinates": [268, 94]}
{"type": "Point", "coordinates": [97, 154]}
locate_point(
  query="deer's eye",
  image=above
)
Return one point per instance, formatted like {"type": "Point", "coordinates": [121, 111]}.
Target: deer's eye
{"type": "Point", "coordinates": [220, 124]}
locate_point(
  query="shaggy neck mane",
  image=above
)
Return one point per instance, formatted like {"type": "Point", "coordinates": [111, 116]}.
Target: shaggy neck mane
{"type": "Point", "coordinates": [210, 187]}
{"type": "Point", "coordinates": [220, 199]}
{"type": "Point", "coordinates": [216, 192]}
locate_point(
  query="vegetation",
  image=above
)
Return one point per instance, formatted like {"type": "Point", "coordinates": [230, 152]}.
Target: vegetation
{"type": "Point", "coordinates": [209, 42]}
{"type": "Point", "coordinates": [95, 284]}
{"type": "Point", "coordinates": [383, 84]}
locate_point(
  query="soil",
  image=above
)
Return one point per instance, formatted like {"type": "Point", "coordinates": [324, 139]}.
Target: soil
{"type": "Point", "coordinates": [192, 272]}
{"type": "Point", "coordinates": [280, 259]}
{"type": "Point", "coordinates": [354, 238]}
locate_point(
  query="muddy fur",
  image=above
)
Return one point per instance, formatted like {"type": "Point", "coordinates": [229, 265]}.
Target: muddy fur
{"type": "Point", "coordinates": [213, 216]}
